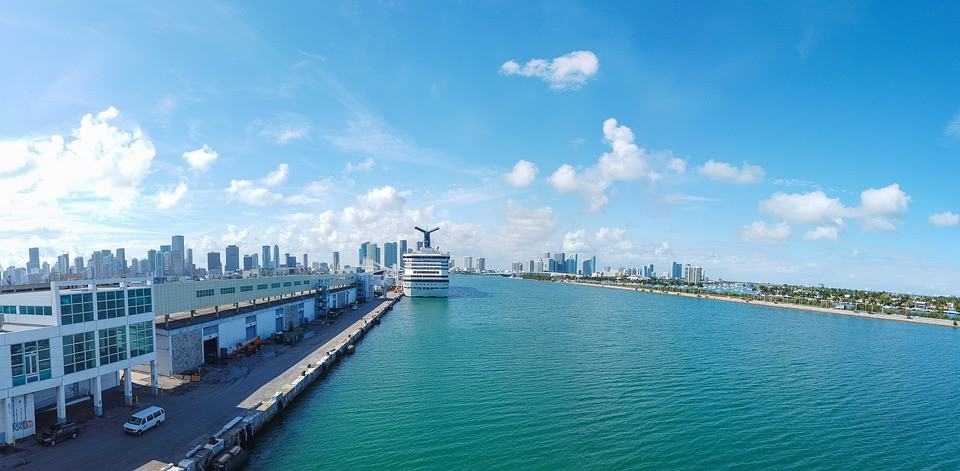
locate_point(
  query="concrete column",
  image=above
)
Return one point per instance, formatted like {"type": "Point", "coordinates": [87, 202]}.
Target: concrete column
{"type": "Point", "coordinates": [127, 387]}
{"type": "Point", "coordinates": [154, 382]}
{"type": "Point", "coordinates": [7, 420]}
{"type": "Point", "coordinates": [61, 404]}
{"type": "Point", "coordinates": [98, 396]}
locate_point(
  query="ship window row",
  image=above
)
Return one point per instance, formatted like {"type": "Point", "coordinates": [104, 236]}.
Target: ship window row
{"type": "Point", "coordinates": [28, 310]}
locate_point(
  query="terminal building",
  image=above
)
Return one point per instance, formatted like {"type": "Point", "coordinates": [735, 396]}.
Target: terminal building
{"type": "Point", "coordinates": [69, 341]}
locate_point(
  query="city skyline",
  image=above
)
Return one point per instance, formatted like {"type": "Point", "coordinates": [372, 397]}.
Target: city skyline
{"type": "Point", "coordinates": [779, 147]}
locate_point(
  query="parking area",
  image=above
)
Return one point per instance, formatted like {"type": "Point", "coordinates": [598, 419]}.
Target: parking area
{"type": "Point", "coordinates": [194, 409]}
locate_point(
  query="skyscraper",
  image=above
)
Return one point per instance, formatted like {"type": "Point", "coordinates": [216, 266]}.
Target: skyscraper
{"type": "Point", "coordinates": [306, 261]}
{"type": "Point", "coordinates": [676, 271]}
{"type": "Point", "coordinates": [121, 261]}
{"type": "Point", "coordinates": [188, 266]}
{"type": "Point", "coordinates": [177, 257]}
{"type": "Point", "coordinates": [402, 249]}
{"type": "Point", "coordinates": [481, 264]}
{"type": "Point", "coordinates": [265, 255]}
{"type": "Point", "coordinates": [276, 256]}
{"type": "Point", "coordinates": [248, 262]}
{"type": "Point", "coordinates": [33, 263]}
{"type": "Point", "coordinates": [468, 263]}
{"type": "Point", "coordinates": [63, 264]}
{"type": "Point", "coordinates": [78, 265]}
{"type": "Point", "coordinates": [389, 254]}
{"type": "Point", "coordinates": [362, 253]}
{"type": "Point", "coordinates": [232, 258]}
{"type": "Point", "coordinates": [336, 262]}
{"type": "Point", "coordinates": [213, 263]}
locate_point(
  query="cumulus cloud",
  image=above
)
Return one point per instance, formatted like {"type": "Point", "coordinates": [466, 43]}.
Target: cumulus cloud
{"type": "Point", "coordinates": [277, 176]}
{"type": "Point", "coordinates": [761, 232]}
{"type": "Point", "coordinates": [168, 198]}
{"type": "Point", "coordinates": [567, 72]}
{"type": "Point", "coordinates": [246, 191]}
{"type": "Point", "coordinates": [363, 166]}
{"type": "Point", "coordinates": [522, 175]}
{"type": "Point", "coordinates": [823, 232]}
{"type": "Point", "coordinates": [945, 218]}
{"type": "Point", "coordinates": [722, 171]}
{"type": "Point", "coordinates": [879, 209]}
{"type": "Point", "coordinates": [575, 242]}
{"type": "Point", "coordinates": [201, 159]}
{"type": "Point", "coordinates": [384, 198]}
{"type": "Point", "coordinates": [624, 162]}
{"type": "Point", "coordinates": [677, 165]}
{"type": "Point", "coordinates": [525, 230]}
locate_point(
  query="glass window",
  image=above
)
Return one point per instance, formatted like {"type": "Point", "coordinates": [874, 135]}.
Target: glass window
{"type": "Point", "coordinates": [110, 305]}
{"type": "Point", "coordinates": [246, 288]}
{"type": "Point", "coordinates": [76, 308]}
{"type": "Point", "coordinates": [230, 290]}
{"type": "Point", "coordinates": [8, 309]}
{"type": "Point", "coordinates": [251, 319]}
{"type": "Point", "coordinates": [201, 293]}
{"type": "Point", "coordinates": [79, 352]}
{"type": "Point", "coordinates": [287, 283]}
{"type": "Point", "coordinates": [30, 362]}
{"type": "Point", "coordinates": [141, 338]}
{"type": "Point", "coordinates": [274, 285]}
{"type": "Point", "coordinates": [251, 332]}
{"type": "Point", "coordinates": [139, 300]}
{"type": "Point", "coordinates": [113, 345]}
{"type": "Point", "coordinates": [262, 286]}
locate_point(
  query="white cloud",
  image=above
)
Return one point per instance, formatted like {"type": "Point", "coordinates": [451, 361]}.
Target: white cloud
{"type": "Point", "coordinates": [277, 176]}
{"type": "Point", "coordinates": [168, 198]}
{"type": "Point", "coordinates": [945, 218]}
{"type": "Point", "coordinates": [522, 175]}
{"type": "Point", "coordinates": [384, 199]}
{"type": "Point", "coordinates": [575, 242]}
{"type": "Point", "coordinates": [567, 72]}
{"type": "Point", "coordinates": [363, 166]}
{"type": "Point", "coordinates": [722, 171]}
{"type": "Point", "coordinates": [677, 165]}
{"type": "Point", "coordinates": [823, 232]}
{"type": "Point", "coordinates": [804, 208]}
{"type": "Point", "coordinates": [201, 159]}
{"type": "Point", "coordinates": [953, 127]}
{"type": "Point", "coordinates": [761, 232]}
{"type": "Point", "coordinates": [284, 128]}
{"type": "Point", "coordinates": [624, 162]}
{"type": "Point", "coordinates": [525, 230]}
{"type": "Point", "coordinates": [878, 210]}
{"type": "Point", "coordinates": [245, 191]}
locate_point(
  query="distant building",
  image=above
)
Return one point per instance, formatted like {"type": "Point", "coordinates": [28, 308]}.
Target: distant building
{"type": "Point", "coordinates": [336, 262]}
{"type": "Point", "coordinates": [276, 256]}
{"type": "Point", "coordinates": [33, 263]}
{"type": "Point", "coordinates": [693, 274]}
{"type": "Point", "coordinates": [389, 254]}
{"type": "Point", "coordinates": [468, 263]}
{"type": "Point", "coordinates": [232, 258]}
{"type": "Point", "coordinates": [213, 263]}
{"type": "Point", "coordinates": [177, 256]}
{"type": "Point", "coordinates": [590, 266]}
{"type": "Point", "coordinates": [481, 264]}
{"type": "Point", "coordinates": [401, 249]}
{"type": "Point", "coordinates": [248, 262]}
{"type": "Point", "coordinates": [676, 271]}
{"type": "Point", "coordinates": [265, 254]}
{"type": "Point", "coordinates": [306, 261]}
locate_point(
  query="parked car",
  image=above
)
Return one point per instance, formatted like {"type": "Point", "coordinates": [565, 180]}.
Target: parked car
{"type": "Point", "coordinates": [58, 433]}
{"type": "Point", "coordinates": [145, 419]}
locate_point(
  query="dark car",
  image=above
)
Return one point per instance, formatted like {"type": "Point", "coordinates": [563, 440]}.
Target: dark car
{"type": "Point", "coordinates": [59, 433]}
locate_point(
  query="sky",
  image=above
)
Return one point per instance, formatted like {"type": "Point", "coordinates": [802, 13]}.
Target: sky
{"type": "Point", "coordinates": [797, 142]}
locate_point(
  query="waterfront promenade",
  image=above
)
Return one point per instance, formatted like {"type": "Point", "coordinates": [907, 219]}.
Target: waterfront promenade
{"type": "Point", "coordinates": [801, 307]}
{"type": "Point", "coordinates": [194, 410]}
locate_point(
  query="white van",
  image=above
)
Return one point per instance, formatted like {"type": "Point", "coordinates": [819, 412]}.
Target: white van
{"type": "Point", "coordinates": [145, 419]}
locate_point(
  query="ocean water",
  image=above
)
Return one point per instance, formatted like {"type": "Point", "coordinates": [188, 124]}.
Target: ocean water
{"type": "Point", "coordinates": [515, 374]}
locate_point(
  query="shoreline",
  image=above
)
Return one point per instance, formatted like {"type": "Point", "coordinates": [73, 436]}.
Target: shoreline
{"type": "Point", "coordinates": [815, 309]}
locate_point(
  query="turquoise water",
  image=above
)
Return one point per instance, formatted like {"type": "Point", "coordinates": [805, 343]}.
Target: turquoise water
{"type": "Point", "coordinates": [514, 374]}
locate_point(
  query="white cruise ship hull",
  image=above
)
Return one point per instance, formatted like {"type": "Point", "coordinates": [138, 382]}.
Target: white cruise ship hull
{"type": "Point", "coordinates": [426, 290]}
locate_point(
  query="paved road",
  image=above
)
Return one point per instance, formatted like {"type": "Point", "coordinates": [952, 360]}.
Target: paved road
{"type": "Point", "coordinates": [194, 412]}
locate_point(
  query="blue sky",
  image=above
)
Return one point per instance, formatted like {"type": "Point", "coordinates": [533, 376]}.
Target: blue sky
{"type": "Point", "coordinates": [808, 142]}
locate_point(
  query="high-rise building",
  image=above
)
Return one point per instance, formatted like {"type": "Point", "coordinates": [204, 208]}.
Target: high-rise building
{"type": "Point", "coordinates": [248, 262]}
{"type": "Point", "coordinates": [401, 249]}
{"type": "Point", "coordinates": [188, 266]}
{"type": "Point", "coordinates": [276, 256]}
{"type": "Point", "coordinates": [561, 265]}
{"type": "Point", "coordinates": [213, 263]}
{"type": "Point", "coordinates": [254, 261]}
{"type": "Point", "coordinates": [693, 274]}
{"type": "Point", "coordinates": [468, 263]}
{"type": "Point", "coordinates": [590, 266]}
{"type": "Point", "coordinates": [676, 271]}
{"type": "Point", "coordinates": [177, 256]}
{"type": "Point", "coordinates": [232, 255]}
{"type": "Point", "coordinates": [389, 254]}
{"type": "Point", "coordinates": [362, 253]}
{"type": "Point", "coordinates": [290, 261]}
{"type": "Point", "coordinates": [376, 253]}
{"type": "Point", "coordinates": [571, 265]}
{"type": "Point", "coordinates": [33, 263]}
{"type": "Point", "coordinates": [481, 264]}
{"type": "Point", "coordinates": [336, 262]}
{"type": "Point", "coordinates": [63, 264]}
{"type": "Point", "coordinates": [78, 265]}
{"type": "Point", "coordinates": [121, 260]}
{"type": "Point", "coordinates": [306, 261]}
{"type": "Point", "coordinates": [265, 255]}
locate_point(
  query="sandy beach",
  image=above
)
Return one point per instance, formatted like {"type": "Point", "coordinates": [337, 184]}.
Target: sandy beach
{"type": "Point", "coordinates": [822, 310]}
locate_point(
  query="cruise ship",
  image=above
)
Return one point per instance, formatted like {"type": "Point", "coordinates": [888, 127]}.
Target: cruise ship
{"type": "Point", "coordinates": [425, 270]}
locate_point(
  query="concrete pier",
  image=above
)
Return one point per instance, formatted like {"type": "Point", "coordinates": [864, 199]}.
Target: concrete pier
{"type": "Point", "coordinates": [264, 404]}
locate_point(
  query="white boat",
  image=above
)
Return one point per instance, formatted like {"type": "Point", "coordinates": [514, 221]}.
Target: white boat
{"type": "Point", "coordinates": [426, 270]}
